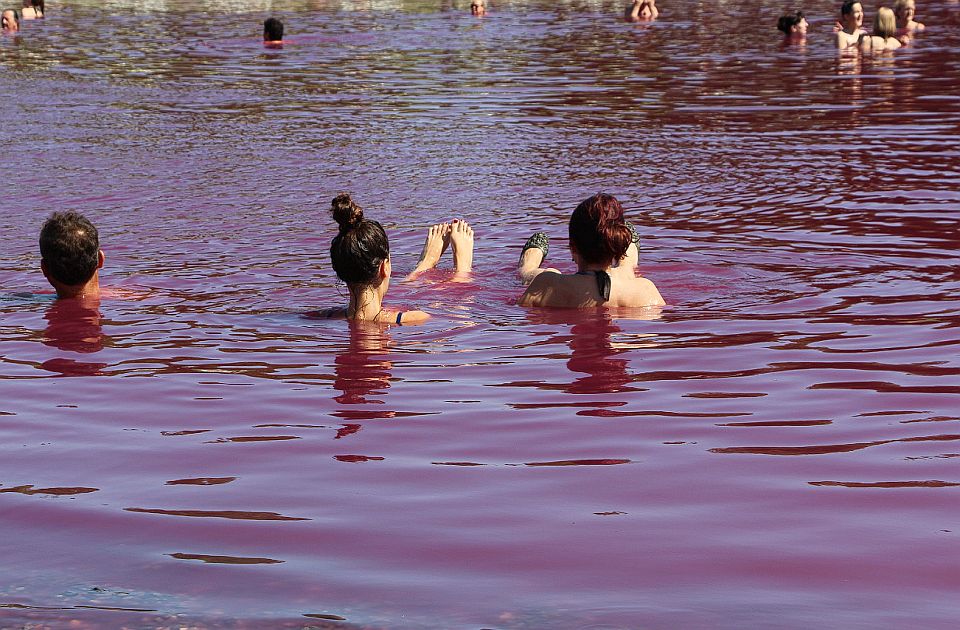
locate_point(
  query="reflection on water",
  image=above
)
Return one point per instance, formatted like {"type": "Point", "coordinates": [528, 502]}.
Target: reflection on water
{"type": "Point", "coordinates": [782, 436]}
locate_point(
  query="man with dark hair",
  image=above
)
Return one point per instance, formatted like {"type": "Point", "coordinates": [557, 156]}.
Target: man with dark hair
{"type": "Point", "coordinates": [10, 21]}
{"type": "Point", "coordinates": [272, 32]}
{"type": "Point", "coordinates": [70, 255]}
{"type": "Point", "coordinates": [848, 28]}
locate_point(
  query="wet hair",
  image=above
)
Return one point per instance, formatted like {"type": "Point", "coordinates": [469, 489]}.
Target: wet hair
{"type": "Point", "coordinates": [70, 248]}
{"type": "Point", "coordinates": [272, 30]}
{"type": "Point", "coordinates": [885, 23]}
{"type": "Point", "coordinates": [36, 5]}
{"type": "Point", "coordinates": [788, 21]}
{"type": "Point", "coordinates": [598, 231]}
{"type": "Point", "coordinates": [847, 7]}
{"type": "Point", "coordinates": [361, 246]}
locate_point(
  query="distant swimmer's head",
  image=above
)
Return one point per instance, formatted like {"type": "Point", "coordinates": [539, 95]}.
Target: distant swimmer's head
{"type": "Point", "coordinates": [885, 23]}
{"type": "Point", "coordinates": [70, 252]}
{"type": "Point", "coordinates": [793, 24]}
{"type": "Point", "coordinates": [10, 21]}
{"type": "Point", "coordinates": [359, 253]}
{"type": "Point", "coordinates": [272, 31]}
{"type": "Point", "coordinates": [905, 10]}
{"type": "Point", "coordinates": [851, 15]}
{"type": "Point", "coordinates": [598, 231]}
{"type": "Point", "coordinates": [478, 7]}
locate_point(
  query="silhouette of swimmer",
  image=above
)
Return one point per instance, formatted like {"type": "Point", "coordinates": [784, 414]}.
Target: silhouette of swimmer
{"type": "Point", "coordinates": [641, 11]}
{"type": "Point", "coordinates": [10, 20]}
{"type": "Point", "coordinates": [70, 255]}
{"type": "Point", "coordinates": [478, 8]}
{"type": "Point", "coordinates": [884, 31]}
{"type": "Point", "coordinates": [273, 33]}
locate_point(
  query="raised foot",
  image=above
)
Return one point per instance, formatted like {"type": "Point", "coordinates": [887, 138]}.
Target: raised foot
{"type": "Point", "coordinates": [461, 238]}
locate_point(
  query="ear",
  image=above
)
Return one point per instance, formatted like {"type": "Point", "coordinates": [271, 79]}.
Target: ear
{"type": "Point", "coordinates": [385, 268]}
{"type": "Point", "coordinates": [100, 259]}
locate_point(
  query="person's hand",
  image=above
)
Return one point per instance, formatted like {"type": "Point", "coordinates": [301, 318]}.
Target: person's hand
{"type": "Point", "coordinates": [837, 27]}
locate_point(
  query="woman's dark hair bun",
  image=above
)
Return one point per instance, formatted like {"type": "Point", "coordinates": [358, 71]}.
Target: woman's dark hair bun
{"type": "Point", "coordinates": [346, 212]}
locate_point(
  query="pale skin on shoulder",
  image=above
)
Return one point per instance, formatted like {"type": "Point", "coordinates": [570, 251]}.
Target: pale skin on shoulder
{"type": "Point", "coordinates": [549, 287]}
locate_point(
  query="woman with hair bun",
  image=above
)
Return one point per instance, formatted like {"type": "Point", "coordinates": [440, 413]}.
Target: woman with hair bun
{"type": "Point", "coordinates": [360, 255]}
{"type": "Point", "coordinates": [603, 245]}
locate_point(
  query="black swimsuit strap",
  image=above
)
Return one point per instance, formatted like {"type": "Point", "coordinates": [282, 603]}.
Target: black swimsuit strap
{"type": "Point", "coordinates": [603, 282]}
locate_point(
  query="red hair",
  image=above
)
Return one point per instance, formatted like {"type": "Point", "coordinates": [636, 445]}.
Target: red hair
{"type": "Point", "coordinates": [598, 231]}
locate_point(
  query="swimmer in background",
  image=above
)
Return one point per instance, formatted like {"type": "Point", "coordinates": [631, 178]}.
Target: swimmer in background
{"type": "Point", "coordinates": [905, 10]}
{"type": "Point", "coordinates": [793, 26]}
{"type": "Point", "coordinates": [884, 33]}
{"type": "Point", "coordinates": [10, 21]}
{"type": "Point", "coordinates": [32, 10]}
{"type": "Point", "coordinates": [641, 11]}
{"type": "Point", "coordinates": [360, 255]}
{"type": "Point", "coordinates": [478, 8]}
{"type": "Point", "coordinates": [273, 33]}
{"type": "Point", "coordinates": [849, 27]}
{"type": "Point", "coordinates": [70, 255]}
{"type": "Point", "coordinates": [600, 244]}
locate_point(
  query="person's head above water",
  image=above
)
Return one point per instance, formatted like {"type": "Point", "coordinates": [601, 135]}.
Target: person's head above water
{"type": "Point", "coordinates": [10, 21]}
{"type": "Point", "coordinates": [598, 233]}
{"type": "Point", "coordinates": [851, 15]}
{"type": "Point", "coordinates": [885, 23]}
{"type": "Point", "coordinates": [478, 7]}
{"type": "Point", "coordinates": [359, 253]}
{"type": "Point", "coordinates": [70, 254]}
{"type": "Point", "coordinates": [272, 30]}
{"type": "Point", "coordinates": [792, 24]}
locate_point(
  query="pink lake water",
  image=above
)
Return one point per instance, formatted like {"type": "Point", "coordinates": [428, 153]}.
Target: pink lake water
{"type": "Point", "coordinates": [778, 448]}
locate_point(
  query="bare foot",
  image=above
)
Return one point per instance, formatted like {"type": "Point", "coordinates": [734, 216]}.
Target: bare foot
{"type": "Point", "coordinates": [438, 238]}
{"type": "Point", "coordinates": [461, 236]}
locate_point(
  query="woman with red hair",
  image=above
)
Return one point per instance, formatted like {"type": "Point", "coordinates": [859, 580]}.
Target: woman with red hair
{"type": "Point", "coordinates": [600, 244]}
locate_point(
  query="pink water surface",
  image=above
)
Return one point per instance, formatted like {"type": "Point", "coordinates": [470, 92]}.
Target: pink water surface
{"type": "Point", "coordinates": [777, 448]}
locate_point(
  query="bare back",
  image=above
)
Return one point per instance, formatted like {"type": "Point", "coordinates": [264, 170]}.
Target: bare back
{"type": "Point", "coordinates": [559, 290]}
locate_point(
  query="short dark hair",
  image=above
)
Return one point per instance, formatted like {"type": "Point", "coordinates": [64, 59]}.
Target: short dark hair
{"type": "Point", "coordinates": [272, 30]}
{"type": "Point", "coordinates": [788, 21]}
{"type": "Point", "coordinates": [847, 7]}
{"type": "Point", "coordinates": [598, 231]}
{"type": "Point", "coordinates": [70, 248]}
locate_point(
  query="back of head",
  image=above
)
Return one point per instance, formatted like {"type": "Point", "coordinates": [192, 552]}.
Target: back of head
{"type": "Point", "coordinates": [361, 246]}
{"type": "Point", "coordinates": [598, 231]}
{"type": "Point", "coordinates": [885, 23]}
{"type": "Point", "coordinates": [788, 21]}
{"type": "Point", "coordinates": [70, 248]}
{"type": "Point", "coordinates": [272, 30]}
{"type": "Point", "coordinates": [37, 5]}
{"type": "Point", "coordinates": [847, 7]}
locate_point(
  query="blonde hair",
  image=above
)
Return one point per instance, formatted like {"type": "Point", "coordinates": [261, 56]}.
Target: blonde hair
{"type": "Point", "coordinates": [885, 23]}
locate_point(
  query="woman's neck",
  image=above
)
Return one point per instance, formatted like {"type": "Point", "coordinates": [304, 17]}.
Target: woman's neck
{"type": "Point", "coordinates": [591, 267]}
{"type": "Point", "coordinates": [364, 304]}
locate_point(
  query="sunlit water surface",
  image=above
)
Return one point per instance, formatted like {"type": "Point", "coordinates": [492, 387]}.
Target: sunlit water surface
{"type": "Point", "coordinates": [777, 448]}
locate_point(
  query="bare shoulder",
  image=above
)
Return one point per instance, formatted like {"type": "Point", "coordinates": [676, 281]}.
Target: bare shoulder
{"type": "Point", "coordinates": [540, 289]}
{"type": "Point", "coordinates": [645, 293]}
